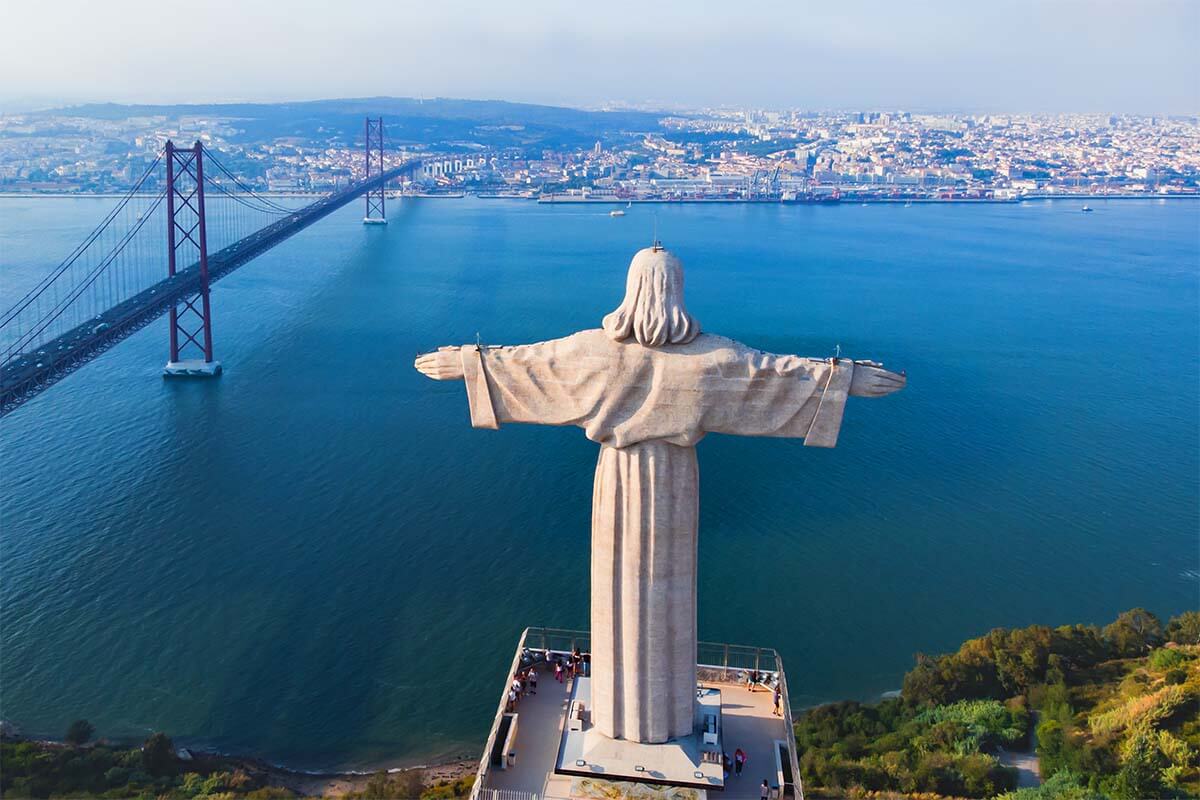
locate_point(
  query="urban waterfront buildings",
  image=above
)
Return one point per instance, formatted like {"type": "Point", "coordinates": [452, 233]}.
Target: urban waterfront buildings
{"type": "Point", "coordinates": [700, 155]}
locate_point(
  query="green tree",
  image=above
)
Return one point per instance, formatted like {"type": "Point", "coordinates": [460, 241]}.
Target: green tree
{"type": "Point", "coordinates": [1134, 632]}
{"type": "Point", "coordinates": [158, 754]}
{"type": "Point", "coordinates": [80, 731]}
{"type": "Point", "coordinates": [1140, 776]}
{"type": "Point", "coordinates": [1184, 629]}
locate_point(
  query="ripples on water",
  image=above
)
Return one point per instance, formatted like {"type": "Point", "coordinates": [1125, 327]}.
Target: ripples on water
{"type": "Point", "coordinates": [316, 559]}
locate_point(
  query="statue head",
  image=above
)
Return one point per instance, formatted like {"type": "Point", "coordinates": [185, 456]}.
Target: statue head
{"type": "Point", "coordinates": [652, 311]}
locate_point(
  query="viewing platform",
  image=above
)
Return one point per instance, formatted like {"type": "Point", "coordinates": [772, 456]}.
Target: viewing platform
{"type": "Point", "coordinates": [544, 747]}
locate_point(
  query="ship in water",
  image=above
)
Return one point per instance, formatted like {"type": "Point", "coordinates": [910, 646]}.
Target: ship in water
{"type": "Point", "coordinates": [811, 197]}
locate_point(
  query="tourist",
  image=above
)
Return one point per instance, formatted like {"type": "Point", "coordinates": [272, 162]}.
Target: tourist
{"type": "Point", "coordinates": [512, 701]}
{"type": "Point", "coordinates": [751, 680]}
{"type": "Point", "coordinates": [532, 680]}
{"type": "Point", "coordinates": [587, 664]}
{"type": "Point", "coordinates": [516, 685]}
{"type": "Point", "coordinates": [725, 764]}
{"type": "Point", "coordinates": [739, 761]}
{"type": "Point", "coordinates": [764, 791]}
{"type": "Point", "coordinates": [558, 671]}
{"type": "Point", "coordinates": [778, 700]}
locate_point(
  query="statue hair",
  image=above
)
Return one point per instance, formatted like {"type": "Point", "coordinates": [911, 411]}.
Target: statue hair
{"type": "Point", "coordinates": [653, 312]}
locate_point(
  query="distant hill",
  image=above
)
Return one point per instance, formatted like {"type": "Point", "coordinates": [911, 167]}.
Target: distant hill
{"type": "Point", "coordinates": [406, 119]}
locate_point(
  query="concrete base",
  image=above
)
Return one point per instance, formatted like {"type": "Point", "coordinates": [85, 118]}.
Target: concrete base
{"type": "Point", "coordinates": [373, 221]}
{"type": "Point", "coordinates": [192, 368]}
{"type": "Point", "coordinates": [693, 760]}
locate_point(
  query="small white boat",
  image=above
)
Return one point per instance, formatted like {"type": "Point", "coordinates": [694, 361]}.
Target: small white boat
{"type": "Point", "coordinates": [1086, 209]}
{"type": "Point", "coordinates": [617, 213]}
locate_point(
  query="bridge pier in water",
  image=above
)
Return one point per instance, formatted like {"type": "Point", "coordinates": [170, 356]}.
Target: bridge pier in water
{"type": "Point", "coordinates": [376, 211]}
{"type": "Point", "coordinates": [190, 319]}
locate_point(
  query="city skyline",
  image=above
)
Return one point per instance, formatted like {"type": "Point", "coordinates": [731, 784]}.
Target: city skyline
{"type": "Point", "coordinates": [1012, 57]}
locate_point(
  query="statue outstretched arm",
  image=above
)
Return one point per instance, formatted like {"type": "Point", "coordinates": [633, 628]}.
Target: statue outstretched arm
{"type": "Point", "coordinates": [557, 382]}
{"type": "Point", "coordinates": [764, 394]}
{"type": "Point", "coordinates": [443, 364]}
{"type": "Point", "coordinates": [872, 380]}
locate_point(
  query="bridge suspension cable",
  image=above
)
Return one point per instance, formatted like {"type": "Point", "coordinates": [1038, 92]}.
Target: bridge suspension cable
{"type": "Point", "coordinates": [70, 260]}
{"type": "Point", "coordinates": [267, 202]}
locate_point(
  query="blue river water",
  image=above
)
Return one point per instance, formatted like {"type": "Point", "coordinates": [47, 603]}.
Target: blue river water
{"type": "Point", "coordinates": [315, 559]}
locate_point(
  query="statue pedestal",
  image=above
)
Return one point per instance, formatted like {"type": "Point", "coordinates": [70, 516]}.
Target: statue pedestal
{"type": "Point", "coordinates": [692, 760]}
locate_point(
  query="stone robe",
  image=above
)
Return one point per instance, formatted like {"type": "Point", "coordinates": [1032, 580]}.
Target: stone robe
{"type": "Point", "coordinates": [647, 407]}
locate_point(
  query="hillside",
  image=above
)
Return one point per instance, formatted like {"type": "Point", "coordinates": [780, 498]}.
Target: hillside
{"type": "Point", "coordinates": [1117, 713]}
{"type": "Point", "coordinates": [407, 120]}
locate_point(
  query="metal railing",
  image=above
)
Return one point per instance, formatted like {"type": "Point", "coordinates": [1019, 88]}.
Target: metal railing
{"type": "Point", "coordinates": [505, 794]}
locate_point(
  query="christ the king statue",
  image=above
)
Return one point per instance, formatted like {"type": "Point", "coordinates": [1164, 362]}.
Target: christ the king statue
{"type": "Point", "coordinates": [647, 386]}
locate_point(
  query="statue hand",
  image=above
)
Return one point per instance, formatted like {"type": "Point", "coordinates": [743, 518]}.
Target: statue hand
{"type": "Point", "coordinates": [444, 364]}
{"type": "Point", "coordinates": [872, 380]}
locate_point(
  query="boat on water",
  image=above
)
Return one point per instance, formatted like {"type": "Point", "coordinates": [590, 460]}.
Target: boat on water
{"type": "Point", "coordinates": [616, 213]}
{"type": "Point", "coordinates": [1086, 209]}
{"type": "Point", "coordinates": [441, 195]}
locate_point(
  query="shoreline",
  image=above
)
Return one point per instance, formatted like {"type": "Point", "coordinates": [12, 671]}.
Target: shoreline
{"type": "Point", "coordinates": [305, 783]}
{"type": "Point", "coordinates": [331, 783]}
{"type": "Point", "coordinates": [848, 199]}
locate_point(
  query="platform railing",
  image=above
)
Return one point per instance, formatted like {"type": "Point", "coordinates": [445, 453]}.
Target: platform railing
{"type": "Point", "coordinates": [478, 790]}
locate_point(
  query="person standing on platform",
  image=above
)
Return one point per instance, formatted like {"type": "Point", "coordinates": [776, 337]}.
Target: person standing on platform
{"type": "Point", "coordinates": [778, 700]}
{"type": "Point", "coordinates": [558, 671]}
{"type": "Point", "coordinates": [764, 791]}
{"type": "Point", "coordinates": [533, 680]}
{"type": "Point", "coordinates": [739, 761]}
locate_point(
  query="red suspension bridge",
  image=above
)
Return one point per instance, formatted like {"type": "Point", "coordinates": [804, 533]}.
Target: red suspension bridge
{"type": "Point", "coordinates": [158, 252]}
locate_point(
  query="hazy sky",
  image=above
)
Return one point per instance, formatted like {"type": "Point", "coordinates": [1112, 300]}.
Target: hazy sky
{"type": "Point", "coordinates": [1009, 55]}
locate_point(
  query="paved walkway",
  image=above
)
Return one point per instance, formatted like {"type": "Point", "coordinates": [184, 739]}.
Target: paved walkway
{"type": "Point", "coordinates": [1029, 771]}
{"type": "Point", "coordinates": [539, 729]}
{"type": "Point", "coordinates": [750, 725]}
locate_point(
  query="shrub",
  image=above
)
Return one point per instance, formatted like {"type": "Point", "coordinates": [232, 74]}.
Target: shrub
{"type": "Point", "coordinates": [158, 755]}
{"type": "Point", "coordinates": [1146, 710]}
{"type": "Point", "coordinates": [1185, 629]}
{"type": "Point", "coordinates": [1064, 785]}
{"type": "Point", "coordinates": [80, 731]}
{"type": "Point", "coordinates": [1175, 676]}
{"type": "Point", "coordinates": [1166, 658]}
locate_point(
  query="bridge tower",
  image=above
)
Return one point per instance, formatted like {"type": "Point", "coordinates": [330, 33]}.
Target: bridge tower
{"type": "Point", "coordinates": [187, 242]}
{"type": "Point", "coordinates": [376, 213]}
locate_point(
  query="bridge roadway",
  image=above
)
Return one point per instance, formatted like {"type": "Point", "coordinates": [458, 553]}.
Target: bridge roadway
{"type": "Point", "coordinates": [27, 374]}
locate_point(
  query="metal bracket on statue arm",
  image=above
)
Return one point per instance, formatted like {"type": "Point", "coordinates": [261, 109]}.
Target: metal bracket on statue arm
{"type": "Point", "coordinates": [827, 421]}
{"type": "Point", "coordinates": [479, 396]}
